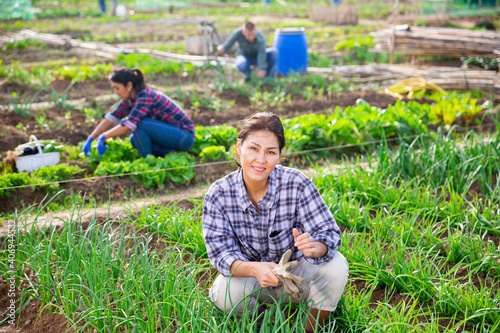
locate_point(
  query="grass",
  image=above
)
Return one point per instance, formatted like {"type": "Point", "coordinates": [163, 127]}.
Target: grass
{"type": "Point", "coordinates": [423, 242]}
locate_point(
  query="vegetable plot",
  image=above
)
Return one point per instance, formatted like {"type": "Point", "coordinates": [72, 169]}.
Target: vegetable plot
{"type": "Point", "coordinates": [422, 252]}
{"type": "Point", "coordinates": [351, 129]}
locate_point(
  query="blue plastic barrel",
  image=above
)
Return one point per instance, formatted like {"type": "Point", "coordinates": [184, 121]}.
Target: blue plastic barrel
{"type": "Point", "coordinates": [336, 2]}
{"type": "Point", "coordinates": [292, 47]}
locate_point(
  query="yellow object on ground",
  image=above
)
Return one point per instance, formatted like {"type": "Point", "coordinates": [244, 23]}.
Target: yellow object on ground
{"type": "Point", "coordinates": [409, 86]}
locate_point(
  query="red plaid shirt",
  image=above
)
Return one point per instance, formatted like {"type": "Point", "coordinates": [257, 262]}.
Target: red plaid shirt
{"type": "Point", "coordinates": [152, 104]}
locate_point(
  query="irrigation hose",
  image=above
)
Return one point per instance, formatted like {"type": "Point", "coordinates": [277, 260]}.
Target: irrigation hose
{"type": "Point", "coordinates": [409, 86]}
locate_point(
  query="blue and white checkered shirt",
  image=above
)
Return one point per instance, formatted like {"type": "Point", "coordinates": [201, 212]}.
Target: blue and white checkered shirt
{"type": "Point", "coordinates": [233, 228]}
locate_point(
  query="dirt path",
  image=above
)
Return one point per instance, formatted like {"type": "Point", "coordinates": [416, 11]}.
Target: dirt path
{"type": "Point", "coordinates": [122, 210]}
{"type": "Point", "coordinates": [113, 212]}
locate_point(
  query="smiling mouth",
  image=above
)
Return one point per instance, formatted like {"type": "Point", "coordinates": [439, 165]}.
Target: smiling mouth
{"type": "Point", "coordinates": [258, 169]}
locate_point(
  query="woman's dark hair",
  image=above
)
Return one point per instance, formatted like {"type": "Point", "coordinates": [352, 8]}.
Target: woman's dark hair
{"type": "Point", "coordinates": [124, 76]}
{"type": "Point", "coordinates": [262, 121]}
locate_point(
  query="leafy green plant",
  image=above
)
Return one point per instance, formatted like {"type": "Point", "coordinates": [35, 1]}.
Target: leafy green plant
{"type": "Point", "coordinates": [45, 174]}
{"type": "Point", "coordinates": [23, 109]}
{"type": "Point", "coordinates": [37, 77]}
{"type": "Point", "coordinates": [112, 38]}
{"type": "Point", "coordinates": [309, 93]}
{"type": "Point", "coordinates": [198, 101]}
{"type": "Point", "coordinates": [214, 153]}
{"type": "Point", "coordinates": [207, 136]}
{"type": "Point", "coordinates": [20, 126]}
{"type": "Point", "coordinates": [352, 125]}
{"type": "Point", "coordinates": [152, 171]}
{"type": "Point", "coordinates": [59, 12]}
{"type": "Point", "coordinates": [16, 25]}
{"type": "Point", "coordinates": [152, 67]}
{"type": "Point", "coordinates": [453, 106]}
{"type": "Point", "coordinates": [10, 180]}
{"type": "Point", "coordinates": [23, 44]}
{"type": "Point", "coordinates": [113, 168]}
{"type": "Point", "coordinates": [486, 63]}
{"type": "Point", "coordinates": [266, 99]}
{"type": "Point", "coordinates": [56, 172]}
{"type": "Point", "coordinates": [357, 48]}
{"type": "Point", "coordinates": [118, 150]}
{"type": "Point", "coordinates": [180, 163]}
{"type": "Point", "coordinates": [244, 90]}
{"type": "Point", "coordinates": [176, 47]}
{"type": "Point", "coordinates": [83, 72]}
{"type": "Point", "coordinates": [91, 115]}
{"type": "Point", "coordinates": [61, 102]}
{"type": "Point", "coordinates": [319, 60]}
{"type": "Point", "coordinates": [71, 153]}
{"type": "Point", "coordinates": [41, 120]}
{"type": "Point", "coordinates": [51, 146]}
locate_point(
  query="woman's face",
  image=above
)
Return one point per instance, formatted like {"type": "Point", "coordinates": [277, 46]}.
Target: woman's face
{"type": "Point", "coordinates": [259, 154]}
{"type": "Point", "coordinates": [122, 91]}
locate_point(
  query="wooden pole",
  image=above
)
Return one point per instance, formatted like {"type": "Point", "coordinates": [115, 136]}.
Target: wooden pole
{"type": "Point", "coordinates": [417, 12]}
{"type": "Point", "coordinates": [395, 12]}
{"type": "Point", "coordinates": [393, 42]}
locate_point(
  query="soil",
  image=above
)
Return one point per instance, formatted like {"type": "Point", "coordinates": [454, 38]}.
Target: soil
{"type": "Point", "coordinates": [34, 55]}
{"type": "Point", "coordinates": [111, 189]}
{"type": "Point", "coordinates": [70, 126]}
{"type": "Point", "coordinates": [15, 129]}
{"type": "Point", "coordinates": [74, 130]}
{"type": "Point", "coordinates": [32, 318]}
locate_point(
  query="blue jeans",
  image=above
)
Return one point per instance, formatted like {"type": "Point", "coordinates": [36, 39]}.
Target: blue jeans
{"type": "Point", "coordinates": [243, 63]}
{"type": "Point", "coordinates": [102, 5]}
{"type": "Point", "coordinates": [158, 138]}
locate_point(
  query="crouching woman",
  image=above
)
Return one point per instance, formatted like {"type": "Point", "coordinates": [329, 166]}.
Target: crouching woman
{"type": "Point", "coordinates": [254, 215]}
{"type": "Point", "coordinates": [158, 126]}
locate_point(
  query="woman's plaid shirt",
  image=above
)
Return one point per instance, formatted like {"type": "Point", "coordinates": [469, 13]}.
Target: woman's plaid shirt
{"type": "Point", "coordinates": [234, 229]}
{"type": "Point", "coordinates": [153, 104]}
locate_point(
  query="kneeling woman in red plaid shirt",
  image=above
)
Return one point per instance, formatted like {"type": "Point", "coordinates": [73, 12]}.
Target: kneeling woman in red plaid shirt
{"type": "Point", "coordinates": [254, 215]}
{"type": "Point", "coordinates": [158, 125]}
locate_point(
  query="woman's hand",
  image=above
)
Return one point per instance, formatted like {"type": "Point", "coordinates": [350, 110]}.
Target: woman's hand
{"type": "Point", "coordinates": [264, 273]}
{"type": "Point", "coordinates": [101, 145]}
{"type": "Point", "coordinates": [87, 146]}
{"type": "Point", "coordinates": [308, 245]}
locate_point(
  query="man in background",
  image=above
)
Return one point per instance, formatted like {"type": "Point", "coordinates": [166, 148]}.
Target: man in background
{"type": "Point", "coordinates": [102, 6]}
{"type": "Point", "coordinates": [252, 52]}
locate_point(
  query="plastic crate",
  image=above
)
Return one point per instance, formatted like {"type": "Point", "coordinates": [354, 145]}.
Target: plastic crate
{"type": "Point", "coordinates": [32, 162]}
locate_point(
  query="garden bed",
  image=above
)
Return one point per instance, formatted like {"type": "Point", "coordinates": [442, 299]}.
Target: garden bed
{"type": "Point", "coordinates": [406, 238]}
{"type": "Point", "coordinates": [419, 220]}
{"type": "Point", "coordinates": [70, 123]}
